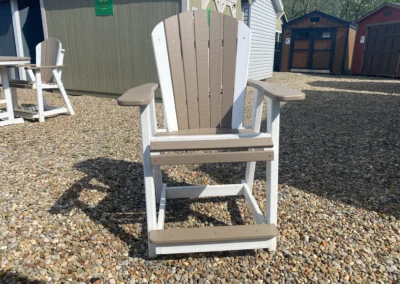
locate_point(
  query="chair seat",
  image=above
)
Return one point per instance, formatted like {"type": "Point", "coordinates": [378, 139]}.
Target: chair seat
{"type": "Point", "coordinates": [25, 84]}
{"type": "Point", "coordinates": [190, 140]}
{"type": "Point", "coordinates": [22, 84]}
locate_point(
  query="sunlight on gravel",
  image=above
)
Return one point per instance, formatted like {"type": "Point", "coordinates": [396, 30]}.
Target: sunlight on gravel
{"type": "Point", "coordinates": [72, 204]}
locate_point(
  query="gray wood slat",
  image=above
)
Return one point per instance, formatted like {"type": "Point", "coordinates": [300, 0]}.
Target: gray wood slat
{"type": "Point", "coordinates": [176, 66]}
{"type": "Point", "coordinates": [202, 37]}
{"type": "Point", "coordinates": [228, 71]}
{"type": "Point", "coordinates": [49, 52]}
{"type": "Point", "coordinates": [213, 234]}
{"type": "Point", "coordinates": [189, 64]}
{"type": "Point", "coordinates": [216, 36]}
{"type": "Point", "coordinates": [161, 146]}
{"type": "Point", "coordinates": [212, 158]}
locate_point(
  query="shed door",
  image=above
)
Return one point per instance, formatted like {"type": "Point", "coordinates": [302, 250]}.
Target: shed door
{"type": "Point", "coordinates": [312, 49]}
{"type": "Point", "coordinates": [382, 50]}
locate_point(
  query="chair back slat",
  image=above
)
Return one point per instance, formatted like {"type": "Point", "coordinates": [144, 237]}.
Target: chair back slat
{"type": "Point", "coordinates": [208, 66]}
{"type": "Point", "coordinates": [189, 65]}
{"type": "Point", "coordinates": [177, 73]}
{"type": "Point", "coordinates": [47, 54]}
{"type": "Point", "coordinates": [228, 71]}
{"type": "Point", "coordinates": [202, 35]}
{"type": "Point", "coordinates": [216, 37]}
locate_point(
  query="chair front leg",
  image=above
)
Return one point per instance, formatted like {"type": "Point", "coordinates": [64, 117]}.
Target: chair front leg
{"type": "Point", "coordinates": [156, 169]}
{"type": "Point", "coordinates": [273, 166]}
{"type": "Point", "coordinates": [147, 132]}
{"type": "Point", "coordinates": [39, 95]}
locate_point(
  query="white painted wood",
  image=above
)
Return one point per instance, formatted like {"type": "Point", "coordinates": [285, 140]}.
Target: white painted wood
{"type": "Point", "coordinates": [241, 71]}
{"type": "Point", "coordinates": [17, 35]}
{"type": "Point", "coordinates": [39, 95]}
{"type": "Point", "coordinates": [44, 21]}
{"type": "Point", "coordinates": [64, 95]}
{"type": "Point", "coordinates": [252, 203]}
{"type": "Point", "coordinates": [9, 113]}
{"type": "Point", "coordinates": [262, 22]}
{"type": "Point", "coordinates": [256, 125]}
{"type": "Point", "coordinates": [204, 191]}
{"type": "Point", "coordinates": [220, 246]}
{"type": "Point", "coordinates": [147, 133]}
{"type": "Point", "coordinates": [217, 137]}
{"type": "Point", "coordinates": [164, 76]}
{"type": "Point", "coordinates": [161, 210]}
{"type": "Point", "coordinates": [273, 122]}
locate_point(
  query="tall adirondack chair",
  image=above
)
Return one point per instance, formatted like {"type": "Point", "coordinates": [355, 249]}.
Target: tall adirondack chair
{"type": "Point", "coordinates": [45, 75]}
{"type": "Point", "coordinates": [202, 65]}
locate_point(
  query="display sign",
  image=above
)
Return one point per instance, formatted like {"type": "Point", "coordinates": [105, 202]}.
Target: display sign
{"type": "Point", "coordinates": [104, 7]}
{"type": "Point", "coordinates": [362, 39]}
{"type": "Point", "coordinates": [287, 40]}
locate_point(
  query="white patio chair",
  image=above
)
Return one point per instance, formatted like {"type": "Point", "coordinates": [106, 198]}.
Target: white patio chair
{"type": "Point", "coordinates": [202, 68]}
{"type": "Point", "coordinates": [45, 75]}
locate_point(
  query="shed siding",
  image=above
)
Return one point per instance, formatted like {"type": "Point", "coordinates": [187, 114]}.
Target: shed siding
{"type": "Point", "coordinates": [350, 50]}
{"type": "Point", "coordinates": [263, 26]}
{"type": "Point", "coordinates": [246, 14]}
{"type": "Point", "coordinates": [107, 54]}
{"type": "Point", "coordinates": [339, 50]}
{"type": "Point", "coordinates": [287, 33]}
{"type": "Point", "coordinates": [375, 18]}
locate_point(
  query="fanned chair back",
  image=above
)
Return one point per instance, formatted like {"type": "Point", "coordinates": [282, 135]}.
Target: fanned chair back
{"type": "Point", "coordinates": [48, 53]}
{"type": "Point", "coordinates": [202, 61]}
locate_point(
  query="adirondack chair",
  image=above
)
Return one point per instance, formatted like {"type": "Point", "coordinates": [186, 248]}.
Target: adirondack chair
{"type": "Point", "coordinates": [45, 75]}
{"type": "Point", "coordinates": [202, 63]}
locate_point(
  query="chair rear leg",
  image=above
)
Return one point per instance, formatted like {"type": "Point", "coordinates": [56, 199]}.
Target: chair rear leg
{"type": "Point", "coordinates": [250, 171]}
{"type": "Point", "coordinates": [14, 97]}
{"type": "Point", "coordinates": [63, 93]}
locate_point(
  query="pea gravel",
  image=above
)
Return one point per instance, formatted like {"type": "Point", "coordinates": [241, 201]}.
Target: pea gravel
{"type": "Point", "coordinates": [72, 197]}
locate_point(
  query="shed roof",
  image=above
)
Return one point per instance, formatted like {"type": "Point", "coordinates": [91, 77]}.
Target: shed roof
{"type": "Point", "coordinates": [394, 5]}
{"type": "Point", "coordinates": [316, 12]}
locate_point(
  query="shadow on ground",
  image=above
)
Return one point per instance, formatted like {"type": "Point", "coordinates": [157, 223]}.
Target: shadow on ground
{"type": "Point", "coordinates": [124, 202]}
{"type": "Point", "coordinates": [340, 145]}
{"type": "Point", "coordinates": [389, 87]}
{"type": "Point", "coordinates": [9, 278]}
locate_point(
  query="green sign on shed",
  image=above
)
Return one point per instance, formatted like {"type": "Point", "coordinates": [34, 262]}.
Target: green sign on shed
{"type": "Point", "coordinates": [104, 7]}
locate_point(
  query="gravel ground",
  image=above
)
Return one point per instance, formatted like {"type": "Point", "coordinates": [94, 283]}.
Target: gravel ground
{"type": "Point", "coordinates": [72, 196]}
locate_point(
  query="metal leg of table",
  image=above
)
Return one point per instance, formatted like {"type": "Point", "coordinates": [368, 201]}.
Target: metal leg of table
{"type": "Point", "coordinates": [8, 100]}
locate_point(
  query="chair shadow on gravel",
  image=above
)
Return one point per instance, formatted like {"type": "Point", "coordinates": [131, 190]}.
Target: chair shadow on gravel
{"type": "Point", "coordinates": [339, 145]}
{"type": "Point", "coordinates": [10, 278]}
{"type": "Point", "coordinates": [124, 201]}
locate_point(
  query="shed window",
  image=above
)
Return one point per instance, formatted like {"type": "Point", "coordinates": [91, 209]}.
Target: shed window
{"type": "Point", "coordinates": [387, 13]}
{"type": "Point", "coordinates": [314, 19]}
{"type": "Point", "coordinates": [324, 35]}
{"type": "Point", "coordinates": [303, 35]}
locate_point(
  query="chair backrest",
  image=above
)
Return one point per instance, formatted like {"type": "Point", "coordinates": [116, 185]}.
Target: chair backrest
{"type": "Point", "coordinates": [202, 62]}
{"type": "Point", "coordinates": [49, 53]}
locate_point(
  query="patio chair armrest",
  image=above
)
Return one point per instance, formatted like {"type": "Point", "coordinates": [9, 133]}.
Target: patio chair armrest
{"type": "Point", "coordinates": [277, 92]}
{"type": "Point", "coordinates": [138, 96]}
{"type": "Point", "coordinates": [25, 65]}
{"type": "Point", "coordinates": [34, 67]}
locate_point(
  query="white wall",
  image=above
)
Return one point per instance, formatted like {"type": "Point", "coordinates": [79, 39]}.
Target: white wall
{"type": "Point", "coordinates": [261, 18]}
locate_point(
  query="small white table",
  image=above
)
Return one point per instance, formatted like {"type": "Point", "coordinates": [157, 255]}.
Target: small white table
{"type": "Point", "coordinates": [5, 62]}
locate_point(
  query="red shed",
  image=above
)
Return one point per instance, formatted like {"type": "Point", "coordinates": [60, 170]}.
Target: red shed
{"type": "Point", "coordinates": [377, 50]}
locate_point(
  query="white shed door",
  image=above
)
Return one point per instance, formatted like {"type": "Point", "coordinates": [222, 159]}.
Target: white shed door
{"type": "Point", "coordinates": [261, 19]}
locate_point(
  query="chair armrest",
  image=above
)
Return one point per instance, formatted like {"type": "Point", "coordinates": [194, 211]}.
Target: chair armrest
{"type": "Point", "coordinates": [25, 65]}
{"type": "Point", "coordinates": [34, 67]}
{"type": "Point", "coordinates": [138, 96]}
{"type": "Point", "coordinates": [277, 92]}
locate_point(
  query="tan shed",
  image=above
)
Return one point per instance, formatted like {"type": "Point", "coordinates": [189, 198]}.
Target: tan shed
{"type": "Point", "coordinates": [318, 43]}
